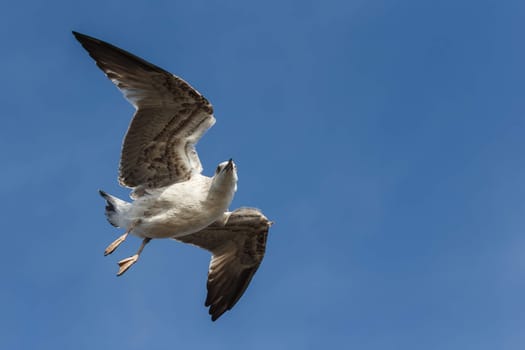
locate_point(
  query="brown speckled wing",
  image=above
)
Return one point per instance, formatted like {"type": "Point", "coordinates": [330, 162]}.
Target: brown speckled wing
{"type": "Point", "coordinates": [171, 117]}
{"type": "Point", "coordinates": [238, 249]}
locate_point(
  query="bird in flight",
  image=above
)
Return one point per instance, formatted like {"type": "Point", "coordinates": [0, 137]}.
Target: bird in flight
{"type": "Point", "coordinates": [170, 196]}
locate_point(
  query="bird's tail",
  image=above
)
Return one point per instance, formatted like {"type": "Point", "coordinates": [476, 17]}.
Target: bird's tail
{"type": "Point", "coordinates": [115, 209]}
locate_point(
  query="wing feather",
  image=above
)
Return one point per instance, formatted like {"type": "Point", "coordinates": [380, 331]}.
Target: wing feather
{"type": "Point", "coordinates": [238, 249]}
{"type": "Point", "coordinates": [171, 117]}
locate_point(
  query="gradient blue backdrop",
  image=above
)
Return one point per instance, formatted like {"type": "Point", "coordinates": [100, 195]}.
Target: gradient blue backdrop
{"type": "Point", "coordinates": [384, 138]}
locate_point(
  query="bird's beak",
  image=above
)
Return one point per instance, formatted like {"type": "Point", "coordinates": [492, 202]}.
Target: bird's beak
{"type": "Point", "coordinates": [229, 166]}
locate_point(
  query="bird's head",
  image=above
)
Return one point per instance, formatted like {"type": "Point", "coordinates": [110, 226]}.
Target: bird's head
{"type": "Point", "coordinates": [226, 176]}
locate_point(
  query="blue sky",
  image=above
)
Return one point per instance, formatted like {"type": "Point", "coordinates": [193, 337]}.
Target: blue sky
{"type": "Point", "coordinates": [384, 138]}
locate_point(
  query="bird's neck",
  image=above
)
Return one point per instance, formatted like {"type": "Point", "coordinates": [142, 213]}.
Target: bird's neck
{"type": "Point", "coordinates": [222, 190]}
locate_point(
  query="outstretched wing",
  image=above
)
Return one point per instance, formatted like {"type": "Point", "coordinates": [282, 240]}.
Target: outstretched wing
{"type": "Point", "coordinates": [171, 117]}
{"type": "Point", "coordinates": [238, 248]}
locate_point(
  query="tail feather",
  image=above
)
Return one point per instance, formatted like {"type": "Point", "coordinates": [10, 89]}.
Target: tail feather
{"type": "Point", "coordinates": [115, 209]}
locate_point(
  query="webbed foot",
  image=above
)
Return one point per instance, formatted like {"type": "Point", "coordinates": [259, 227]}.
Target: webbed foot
{"type": "Point", "coordinates": [125, 264]}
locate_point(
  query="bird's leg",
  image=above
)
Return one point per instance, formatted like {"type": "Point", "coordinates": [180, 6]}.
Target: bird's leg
{"type": "Point", "coordinates": [111, 248]}
{"type": "Point", "coordinates": [125, 264]}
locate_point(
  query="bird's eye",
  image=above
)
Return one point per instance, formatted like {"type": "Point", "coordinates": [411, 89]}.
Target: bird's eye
{"type": "Point", "coordinates": [218, 169]}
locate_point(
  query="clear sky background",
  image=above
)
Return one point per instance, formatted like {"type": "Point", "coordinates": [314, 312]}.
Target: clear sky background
{"type": "Point", "coordinates": [384, 138]}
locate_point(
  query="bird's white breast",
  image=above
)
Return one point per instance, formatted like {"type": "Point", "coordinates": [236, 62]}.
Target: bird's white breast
{"type": "Point", "coordinates": [178, 209]}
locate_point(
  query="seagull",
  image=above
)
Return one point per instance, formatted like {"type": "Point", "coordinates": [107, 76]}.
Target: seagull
{"type": "Point", "coordinates": [170, 196]}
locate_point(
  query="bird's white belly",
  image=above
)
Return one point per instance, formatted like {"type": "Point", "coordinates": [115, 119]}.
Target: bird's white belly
{"type": "Point", "coordinates": [176, 211]}
{"type": "Point", "coordinates": [177, 222]}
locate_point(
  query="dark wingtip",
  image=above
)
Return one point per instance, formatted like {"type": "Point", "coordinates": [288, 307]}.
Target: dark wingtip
{"type": "Point", "coordinates": [88, 40]}
{"type": "Point", "coordinates": [83, 38]}
{"type": "Point", "coordinates": [216, 312]}
{"type": "Point", "coordinates": [103, 194]}
{"type": "Point", "coordinates": [215, 316]}
{"type": "Point", "coordinates": [78, 35]}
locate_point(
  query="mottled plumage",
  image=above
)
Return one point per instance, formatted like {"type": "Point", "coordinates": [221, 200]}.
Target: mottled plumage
{"type": "Point", "coordinates": [172, 199]}
{"type": "Point", "coordinates": [171, 117]}
{"type": "Point", "coordinates": [238, 248]}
